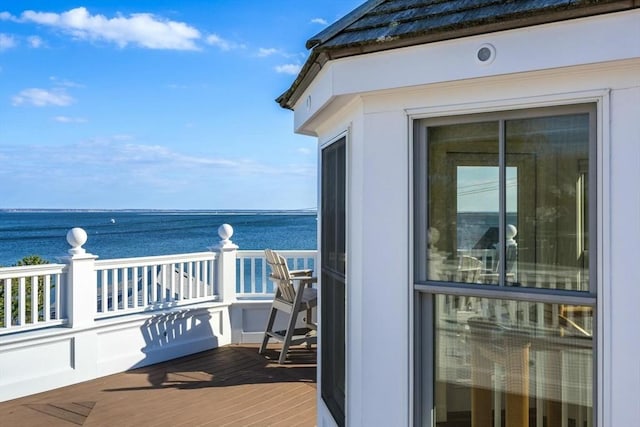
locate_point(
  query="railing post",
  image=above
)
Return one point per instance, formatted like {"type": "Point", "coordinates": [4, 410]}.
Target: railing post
{"type": "Point", "coordinates": [81, 298]}
{"type": "Point", "coordinates": [227, 251]}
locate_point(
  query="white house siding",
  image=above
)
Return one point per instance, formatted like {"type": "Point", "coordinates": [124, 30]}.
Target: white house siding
{"type": "Point", "coordinates": [595, 58]}
{"type": "Point", "coordinates": [624, 284]}
{"type": "Point", "coordinates": [385, 275]}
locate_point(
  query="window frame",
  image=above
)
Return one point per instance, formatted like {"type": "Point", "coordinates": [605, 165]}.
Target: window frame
{"type": "Point", "coordinates": [420, 212]}
{"type": "Point", "coordinates": [424, 291]}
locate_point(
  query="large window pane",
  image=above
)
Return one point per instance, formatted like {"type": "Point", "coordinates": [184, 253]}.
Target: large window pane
{"type": "Point", "coordinates": [512, 363]}
{"type": "Point", "coordinates": [553, 235]}
{"type": "Point", "coordinates": [514, 189]}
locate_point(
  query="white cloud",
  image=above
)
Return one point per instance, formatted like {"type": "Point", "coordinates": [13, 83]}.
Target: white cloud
{"type": "Point", "coordinates": [41, 97]}
{"type": "Point", "coordinates": [319, 21]}
{"type": "Point", "coordinates": [264, 52]}
{"type": "Point", "coordinates": [288, 69]}
{"type": "Point", "coordinates": [142, 29]}
{"type": "Point", "coordinates": [35, 42]}
{"type": "Point", "coordinates": [177, 86]}
{"type": "Point", "coordinates": [222, 44]}
{"type": "Point", "coordinates": [64, 82]}
{"type": "Point", "coordinates": [6, 42]}
{"type": "Point", "coordinates": [121, 155]}
{"type": "Point", "coordinates": [66, 119]}
{"type": "Point", "coordinates": [182, 86]}
{"type": "Point", "coordinates": [104, 172]}
{"type": "Point", "coordinates": [304, 151]}
{"type": "Point", "coordinates": [135, 153]}
{"type": "Point", "coordinates": [6, 16]}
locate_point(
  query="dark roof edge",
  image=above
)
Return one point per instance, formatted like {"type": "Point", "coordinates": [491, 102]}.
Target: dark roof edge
{"type": "Point", "coordinates": [309, 71]}
{"type": "Point", "coordinates": [342, 23]}
{"type": "Point", "coordinates": [318, 56]}
{"type": "Point", "coordinates": [312, 66]}
{"type": "Point", "coordinates": [461, 32]}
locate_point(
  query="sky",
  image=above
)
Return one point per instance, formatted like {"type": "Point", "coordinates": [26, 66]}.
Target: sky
{"type": "Point", "coordinates": [155, 104]}
{"type": "Point", "coordinates": [478, 189]}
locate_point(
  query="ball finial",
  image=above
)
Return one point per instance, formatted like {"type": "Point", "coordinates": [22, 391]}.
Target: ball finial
{"type": "Point", "coordinates": [225, 231]}
{"type": "Point", "coordinates": [76, 237]}
{"type": "Point", "coordinates": [433, 236]}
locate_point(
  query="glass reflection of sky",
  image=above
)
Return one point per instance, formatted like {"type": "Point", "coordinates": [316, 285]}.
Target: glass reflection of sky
{"type": "Point", "coordinates": [478, 189]}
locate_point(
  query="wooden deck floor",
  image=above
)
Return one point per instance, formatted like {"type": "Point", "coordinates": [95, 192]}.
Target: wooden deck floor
{"type": "Point", "coordinates": [228, 386]}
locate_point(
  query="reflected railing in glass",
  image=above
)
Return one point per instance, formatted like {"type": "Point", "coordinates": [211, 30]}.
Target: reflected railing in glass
{"type": "Point", "coordinates": [513, 363]}
{"type": "Point", "coordinates": [482, 266]}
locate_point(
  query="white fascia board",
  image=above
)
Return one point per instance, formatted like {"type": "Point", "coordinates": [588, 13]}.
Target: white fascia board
{"type": "Point", "coordinates": [597, 39]}
{"type": "Point", "coordinates": [314, 99]}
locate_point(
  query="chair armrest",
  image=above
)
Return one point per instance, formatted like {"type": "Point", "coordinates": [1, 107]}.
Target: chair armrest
{"type": "Point", "coordinates": [300, 272]}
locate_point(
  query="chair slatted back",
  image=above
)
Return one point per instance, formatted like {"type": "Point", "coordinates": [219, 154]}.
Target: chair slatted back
{"type": "Point", "coordinates": [469, 269]}
{"type": "Point", "coordinates": [281, 276]}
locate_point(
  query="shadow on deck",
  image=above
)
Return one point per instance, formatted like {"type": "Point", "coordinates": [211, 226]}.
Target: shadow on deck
{"type": "Point", "coordinates": [227, 386]}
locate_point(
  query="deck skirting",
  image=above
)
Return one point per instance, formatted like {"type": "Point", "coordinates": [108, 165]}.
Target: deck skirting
{"type": "Point", "coordinates": [57, 357]}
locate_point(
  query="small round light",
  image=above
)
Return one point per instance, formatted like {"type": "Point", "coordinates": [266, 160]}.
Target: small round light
{"type": "Point", "coordinates": [486, 54]}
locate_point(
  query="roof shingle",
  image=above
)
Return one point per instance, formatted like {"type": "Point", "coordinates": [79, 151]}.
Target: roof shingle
{"type": "Point", "coordinates": [387, 24]}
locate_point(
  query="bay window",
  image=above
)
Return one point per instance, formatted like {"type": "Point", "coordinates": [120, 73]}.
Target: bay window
{"type": "Point", "coordinates": [504, 222]}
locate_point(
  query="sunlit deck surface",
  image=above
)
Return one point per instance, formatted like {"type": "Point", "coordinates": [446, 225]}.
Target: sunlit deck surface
{"type": "Point", "coordinates": [227, 386]}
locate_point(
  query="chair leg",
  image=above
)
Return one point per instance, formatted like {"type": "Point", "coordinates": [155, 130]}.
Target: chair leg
{"type": "Point", "coordinates": [309, 320]}
{"type": "Point", "coordinates": [310, 325]}
{"type": "Point", "coordinates": [287, 337]}
{"type": "Point", "coordinates": [265, 339]}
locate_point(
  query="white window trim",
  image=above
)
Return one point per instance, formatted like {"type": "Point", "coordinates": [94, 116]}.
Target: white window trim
{"type": "Point", "coordinates": [601, 98]}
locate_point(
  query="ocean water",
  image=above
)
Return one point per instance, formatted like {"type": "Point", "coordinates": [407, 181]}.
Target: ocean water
{"type": "Point", "coordinates": [479, 230]}
{"type": "Point", "coordinates": [120, 234]}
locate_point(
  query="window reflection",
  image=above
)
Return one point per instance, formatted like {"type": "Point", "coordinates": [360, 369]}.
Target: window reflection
{"type": "Point", "coordinates": [512, 363]}
{"type": "Point", "coordinates": [544, 217]}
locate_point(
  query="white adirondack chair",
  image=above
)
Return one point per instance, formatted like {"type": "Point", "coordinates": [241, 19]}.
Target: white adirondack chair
{"type": "Point", "coordinates": [291, 298]}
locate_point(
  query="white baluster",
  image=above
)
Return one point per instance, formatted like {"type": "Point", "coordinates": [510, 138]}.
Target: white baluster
{"type": "Point", "coordinates": [7, 303]}
{"type": "Point", "coordinates": [34, 299]}
{"type": "Point", "coordinates": [46, 294]}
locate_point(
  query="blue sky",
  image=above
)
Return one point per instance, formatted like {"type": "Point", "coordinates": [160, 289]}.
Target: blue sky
{"type": "Point", "coordinates": [155, 104]}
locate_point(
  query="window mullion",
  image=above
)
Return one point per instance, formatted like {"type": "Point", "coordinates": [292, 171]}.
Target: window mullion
{"type": "Point", "coordinates": [502, 203]}
{"type": "Point", "coordinates": [592, 207]}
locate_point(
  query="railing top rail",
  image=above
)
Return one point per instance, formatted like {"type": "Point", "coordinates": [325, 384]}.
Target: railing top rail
{"type": "Point", "coordinates": [154, 260]}
{"type": "Point", "coordinates": [30, 270]}
{"type": "Point", "coordinates": [285, 253]}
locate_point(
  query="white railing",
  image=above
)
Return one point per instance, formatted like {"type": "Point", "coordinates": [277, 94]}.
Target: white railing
{"type": "Point", "coordinates": [94, 317]}
{"type": "Point", "coordinates": [31, 297]}
{"type": "Point", "coordinates": [252, 279]}
{"type": "Point", "coordinates": [489, 257]}
{"type": "Point", "coordinates": [131, 285]}
{"type": "Point", "coordinates": [126, 286]}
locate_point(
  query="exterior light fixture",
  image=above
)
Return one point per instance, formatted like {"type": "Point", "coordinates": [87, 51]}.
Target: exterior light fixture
{"type": "Point", "coordinates": [486, 54]}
